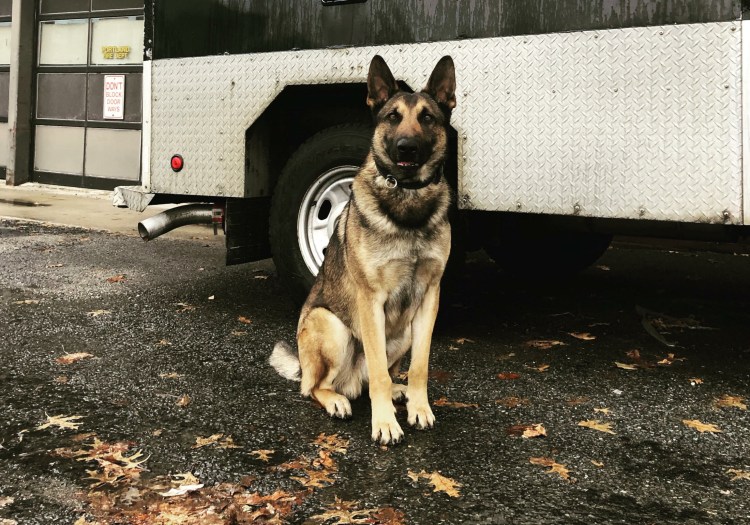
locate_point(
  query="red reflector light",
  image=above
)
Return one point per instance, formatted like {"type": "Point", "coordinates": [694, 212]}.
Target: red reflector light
{"type": "Point", "coordinates": [177, 163]}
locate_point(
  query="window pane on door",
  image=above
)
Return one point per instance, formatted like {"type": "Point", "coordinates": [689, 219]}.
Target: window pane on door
{"type": "Point", "coordinates": [5, 7]}
{"type": "Point", "coordinates": [64, 42]}
{"type": "Point", "coordinates": [117, 40]}
{"type": "Point", "coordinates": [99, 5]}
{"type": "Point", "coordinates": [59, 149]}
{"type": "Point", "coordinates": [133, 96]}
{"type": "Point", "coordinates": [113, 153]}
{"type": "Point", "coordinates": [4, 84]}
{"type": "Point", "coordinates": [5, 43]}
{"type": "Point", "coordinates": [4, 149]}
{"type": "Point", "coordinates": [64, 6]}
{"type": "Point", "coordinates": [61, 96]}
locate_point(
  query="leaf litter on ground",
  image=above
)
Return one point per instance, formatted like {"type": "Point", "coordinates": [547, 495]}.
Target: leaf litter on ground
{"type": "Point", "coordinates": [439, 482]}
{"type": "Point", "coordinates": [72, 358]}
{"type": "Point", "coordinates": [554, 467]}
{"type": "Point", "coordinates": [341, 512]}
{"type": "Point", "coordinates": [727, 401]}
{"type": "Point", "coordinates": [701, 427]}
{"type": "Point", "coordinates": [61, 421]}
{"type": "Point", "coordinates": [595, 424]}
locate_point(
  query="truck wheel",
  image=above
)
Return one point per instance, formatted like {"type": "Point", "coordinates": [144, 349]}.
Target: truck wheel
{"type": "Point", "coordinates": [313, 189]}
{"type": "Point", "coordinates": [548, 255]}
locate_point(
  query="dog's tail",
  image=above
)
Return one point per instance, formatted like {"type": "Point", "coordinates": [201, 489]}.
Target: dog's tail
{"type": "Point", "coordinates": [286, 361]}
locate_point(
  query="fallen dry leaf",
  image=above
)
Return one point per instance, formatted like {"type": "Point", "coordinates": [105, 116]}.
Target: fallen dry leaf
{"type": "Point", "coordinates": [701, 427]}
{"type": "Point", "coordinates": [244, 320]}
{"type": "Point", "coordinates": [540, 368]}
{"type": "Point", "coordinates": [441, 376]}
{"type": "Point", "coordinates": [597, 463]}
{"type": "Point", "coordinates": [575, 401]}
{"type": "Point", "coordinates": [583, 336]}
{"type": "Point", "coordinates": [27, 301]}
{"type": "Point", "coordinates": [239, 333]}
{"type": "Point", "coordinates": [114, 467]}
{"type": "Point", "coordinates": [443, 402]}
{"type": "Point", "coordinates": [695, 381]}
{"type": "Point", "coordinates": [604, 411]}
{"type": "Point", "coordinates": [185, 307]}
{"type": "Point", "coordinates": [506, 376]}
{"type": "Point", "coordinates": [215, 439]}
{"type": "Point", "coordinates": [116, 279]}
{"type": "Point", "coordinates": [554, 468]}
{"type": "Point", "coordinates": [97, 313]}
{"type": "Point", "coordinates": [163, 342]}
{"type": "Point", "coordinates": [263, 455]}
{"type": "Point", "coordinates": [727, 401]}
{"type": "Point", "coordinates": [595, 424]}
{"type": "Point", "coordinates": [739, 474]}
{"type": "Point", "coordinates": [341, 512]}
{"type": "Point", "coordinates": [512, 402]}
{"type": "Point", "coordinates": [528, 431]}
{"type": "Point", "coordinates": [60, 421]}
{"type": "Point", "coordinates": [439, 482]}
{"type": "Point", "coordinates": [182, 484]}
{"type": "Point", "coordinates": [172, 375]}
{"type": "Point", "coordinates": [5, 501]}
{"type": "Point", "coordinates": [625, 366]}
{"type": "Point", "coordinates": [183, 401]}
{"type": "Point", "coordinates": [543, 344]}
{"type": "Point", "coordinates": [671, 358]}
{"type": "Point", "coordinates": [72, 358]}
{"type": "Point", "coordinates": [462, 340]}
{"type": "Point", "coordinates": [61, 379]}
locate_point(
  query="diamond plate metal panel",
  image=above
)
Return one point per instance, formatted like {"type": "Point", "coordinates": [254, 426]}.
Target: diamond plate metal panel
{"type": "Point", "coordinates": [629, 123]}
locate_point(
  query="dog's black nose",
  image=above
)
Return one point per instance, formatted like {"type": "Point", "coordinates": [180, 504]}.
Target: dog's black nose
{"type": "Point", "coordinates": [407, 147]}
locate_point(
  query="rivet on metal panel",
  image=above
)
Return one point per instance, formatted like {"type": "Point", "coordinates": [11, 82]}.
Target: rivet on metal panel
{"type": "Point", "coordinates": [641, 212]}
{"type": "Point", "coordinates": [576, 209]}
{"type": "Point", "coordinates": [727, 216]}
{"type": "Point", "coordinates": [617, 89]}
{"type": "Point", "coordinates": [519, 206]}
{"type": "Point", "coordinates": [661, 32]}
{"type": "Point", "coordinates": [465, 137]}
{"type": "Point", "coordinates": [733, 28]}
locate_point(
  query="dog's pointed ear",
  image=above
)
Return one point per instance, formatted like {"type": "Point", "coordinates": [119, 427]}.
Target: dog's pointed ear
{"type": "Point", "coordinates": [380, 84]}
{"type": "Point", "coordinates": [442, 83]}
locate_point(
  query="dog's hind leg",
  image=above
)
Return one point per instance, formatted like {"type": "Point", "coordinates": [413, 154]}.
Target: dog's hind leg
{"type": "Point", "coordinates": [397, 348]}
{"type": "Point", "coordinates": [324, 343]}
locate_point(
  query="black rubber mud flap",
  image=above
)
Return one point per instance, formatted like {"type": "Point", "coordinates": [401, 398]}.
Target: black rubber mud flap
{"type": "Point", "coordinates": [246, 228]}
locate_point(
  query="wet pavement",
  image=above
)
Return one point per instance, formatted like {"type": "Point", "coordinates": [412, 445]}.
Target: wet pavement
{"type": "Point", "coordinates": [178, 345]}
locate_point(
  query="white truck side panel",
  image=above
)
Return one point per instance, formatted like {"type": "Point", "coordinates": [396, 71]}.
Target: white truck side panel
{"type": "Point", "coordinates": [642, 123]}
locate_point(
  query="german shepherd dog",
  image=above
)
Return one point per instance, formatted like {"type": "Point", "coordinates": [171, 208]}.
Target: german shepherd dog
{"type": "Point", "coordinates": [376, 295]}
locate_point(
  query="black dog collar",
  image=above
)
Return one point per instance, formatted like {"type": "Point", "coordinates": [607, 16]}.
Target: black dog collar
{"type": "Point", "coordinates": [393, 183]}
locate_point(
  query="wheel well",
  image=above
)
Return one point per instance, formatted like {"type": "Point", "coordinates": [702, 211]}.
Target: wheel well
{"type": "Point", "coordinates": [298, 113]}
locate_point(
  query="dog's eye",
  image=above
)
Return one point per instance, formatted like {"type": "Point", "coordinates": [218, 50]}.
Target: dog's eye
{"type": "Point", "coordinates": [393, 116]}
{"type": "Point", "coordinates": [427, 118]}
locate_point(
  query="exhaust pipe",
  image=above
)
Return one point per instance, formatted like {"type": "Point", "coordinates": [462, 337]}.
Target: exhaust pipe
{"type": "Point", "coordinates": [166, 221]}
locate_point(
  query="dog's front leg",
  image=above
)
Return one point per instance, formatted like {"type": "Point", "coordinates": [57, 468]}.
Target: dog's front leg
{"type": "Point", "coordinates": [417, 405]}
{"type": "Point", "coordinates": [371, 316]}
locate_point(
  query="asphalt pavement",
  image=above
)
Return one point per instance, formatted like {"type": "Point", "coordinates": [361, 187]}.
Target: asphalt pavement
{"type": "Point", "coordinates": [630, 382]}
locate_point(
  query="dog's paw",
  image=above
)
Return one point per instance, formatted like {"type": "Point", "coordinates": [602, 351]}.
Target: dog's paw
{"type": "Point", "coordinates": [398, 393]}
{"type": "Point", "coordinates": [387, 432]}
{"type": "Point", "coordinates": [420, 414]}
{"type": "Point", "coordinates": [338, 406]}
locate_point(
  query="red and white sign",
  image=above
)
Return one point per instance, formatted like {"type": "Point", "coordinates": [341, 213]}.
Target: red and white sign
{"type": "Point", "coordinates": [114, 97]}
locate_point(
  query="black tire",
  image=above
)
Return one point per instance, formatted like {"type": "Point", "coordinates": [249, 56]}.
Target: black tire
{"type": "Point", "coordinates": [344, 145]}
{"type": "Point", "coordinates": [544, 255]}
